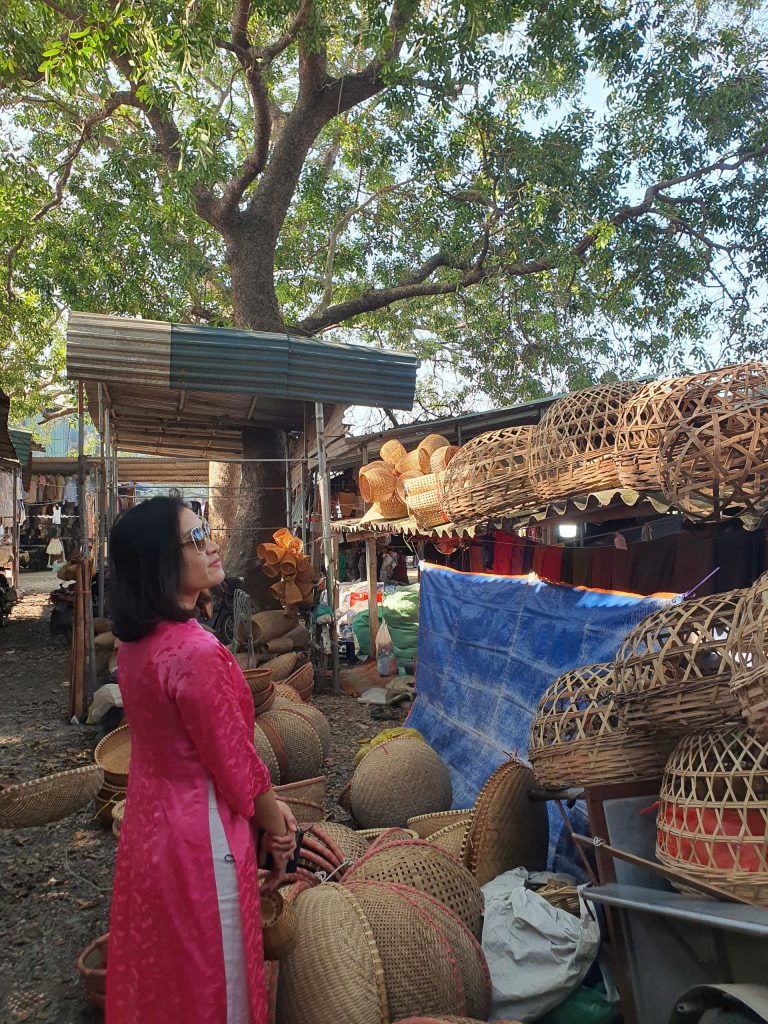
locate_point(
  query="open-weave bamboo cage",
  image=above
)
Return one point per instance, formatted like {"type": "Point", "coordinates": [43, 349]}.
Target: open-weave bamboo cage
{"type": "Point", "coordinates": [713, 811]}
{"type": "Point", "coordinates": [377, 482]}
{"type": "Point", "coordinates": [642, 423]}
{"type": "Point", "coordinates": [424, 498]}
{"type": "Point", "coordinates": [673, 672]}
{"type": "Point", "coordinates": [397, 780]}
{"type": "Point", "coordinates": [714, 457]}
{"type": "Point", "coordinates": [489, 476]}
{"type": "Point", "coordinates": [748, 656]}
{"type": "Point", "coordinates": [577, 737]}
{"type": "Point", "coordinates": [573, 445]}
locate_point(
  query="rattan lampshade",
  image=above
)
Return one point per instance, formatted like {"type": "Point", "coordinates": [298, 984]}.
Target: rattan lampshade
{"type": "Point", "coordinates": [748, 656]}
{"type": "Point", "coordinates": [673, 672]}
{"type": "Point", "coordinates": [713, 811]}
{"type": "Point", "coordinates": [489, 476]}
{"type": "Point", "coordinates": [573, 445]}
{"type": "Point", "coordinates": [578, 739]}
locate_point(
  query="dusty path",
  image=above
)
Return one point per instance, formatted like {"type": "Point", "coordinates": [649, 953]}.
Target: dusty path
{"type": "Point", "coordinates": [55, 881]}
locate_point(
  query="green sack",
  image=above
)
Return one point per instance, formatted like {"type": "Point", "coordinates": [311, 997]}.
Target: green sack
{"type": "Point", "coordinates": [400, 611]}
{"type": "Point", "coordinates": [584, 1006]}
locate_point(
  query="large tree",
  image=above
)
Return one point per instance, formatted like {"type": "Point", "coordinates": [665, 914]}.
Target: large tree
{"type": "Point", "coordinates": [528, 193]}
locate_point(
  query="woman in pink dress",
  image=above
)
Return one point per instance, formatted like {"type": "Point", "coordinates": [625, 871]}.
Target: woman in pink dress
{"type": "Point", "coordinates": [185, 929]}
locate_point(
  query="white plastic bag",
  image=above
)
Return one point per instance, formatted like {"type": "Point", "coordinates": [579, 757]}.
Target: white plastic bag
{"type": "Point", "coordinates": [386, 663]}
{"type": "Point", "coordinates": [536, 953]}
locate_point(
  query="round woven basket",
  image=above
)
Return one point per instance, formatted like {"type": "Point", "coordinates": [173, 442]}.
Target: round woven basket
{"type": "Point", "coordinates": [302, 681]}
{"type": "Point", "coordinates": [334, 975]}
{"type": "Point", "coordinates": [508, 830]}
{"type": "Point", "coordinates": [401, 482]}
{"type": "Point", "coordinates": [420, 865]}
{"type": "Point", "coordinates": [673, 672]}
{"type": "Point", "coordinates": [416, 461]}
{"type": "Point", "coordinates": [306, 799]}
{"type": "Point", "coordinates": [397, 780]}
{"type": "Point", "coordinates": [713, 811]}
{"type": "Point", "coordinates": [118, 813]}
{"type": "Point", "coordinates": [424, 498]}
{"type": "Point", "coordinates": [303, 750]}
{"type": "Point", "coordinates": [393, 452]}
{"type": "Point", "coordinates": [265, 701]}
{"type": "Point", "coordinates": [426, 825]}
{"type": "Point", "coordinates": [105, 802]}
{"type": "Point", "coordinates": [113, 756]}
{"type": "Point", "coordinates": [279, 923]}
{"type": "Point", "coordinates": [573, 445]}
{"type": "Point", "coordinates": [271, 624]}
{"type": "Point", "coordinates": [266, 752]}
{"type": "Point", "coordinates": [348, 843]}
{"type": "Point", "coordinates": [453, 838]}
{"type": "Point", "coordinates": [317, 720]}
{"type": "Point", "coordinates": [432, 961]}
{"type": "Point", "coordinates": [489, 476]}
{"type": "Point", "coordinates": [441, 459]}
{"type": "Point", "coordinates": [376, 837]}
{"type": "Point", "coordinates": [259, 679]}
{"type": "Point", "coordinates": [394, 507]}
{"type": "Point", "coordinates": [92, 965]}
{"type": "Point", "coordinates": [578, 739]}
{"type": "Point", "coordinates": [287, 693]}
{"type": "Point", "coordinates": [377, 482]}
{"type": "Point", "coordinates": [51, 798]}
{"type": "Point", "coordinates": [432, 443]}
{"type": "Point", "coordinates": [748, 656]}
{"type": "Point", "coordinates": [641, 427]}
{"type": "Point", "coordinates": [283, 665]}
{"type": "Point", "coordinates": [714, 458]}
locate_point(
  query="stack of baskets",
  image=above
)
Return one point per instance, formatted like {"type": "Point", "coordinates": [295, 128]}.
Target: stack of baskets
{"type": "Point", "coordinates": [748, 656]}
{"type": "Point", "coordinates": [293, 741]}
{"type": "Point", "coordinates": [278, 655]}
{"type": "Point", "coordinates": [389, 484]}
{"type": "Point", "coordinates": [284, 560]}
{"type": "Point", "coordinates": [113, 756]}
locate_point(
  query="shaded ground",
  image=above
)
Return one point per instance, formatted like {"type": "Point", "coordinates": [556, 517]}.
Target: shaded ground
{"type": "Point", "coordinates": [55, 881]}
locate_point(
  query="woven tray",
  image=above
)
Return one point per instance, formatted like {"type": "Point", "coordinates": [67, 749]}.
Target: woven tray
{"type": "Point", "coordinates": [113, 755]}
{"type": "Point", "coordinates": [303, 750]}
{"type": "Point", "coordinates": [50, 798]}
{"type": "Point", "coordinates": [425, 825]}
{"type": "Point", "coordinates": [489, 476]}
{"type": "Point", "coordinates": [397, 780]}
{"type": "Point", "coordinates": [314, 716]}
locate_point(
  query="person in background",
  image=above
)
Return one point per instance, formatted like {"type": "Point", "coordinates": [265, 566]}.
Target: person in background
{"type": "Point", "coordinates": [185, 928]}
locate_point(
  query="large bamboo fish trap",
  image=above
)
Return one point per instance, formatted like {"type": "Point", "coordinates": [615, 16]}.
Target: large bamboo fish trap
{"type": "Point", "coordinates": [573, 446]}
{"type": "Point", "coordinates": [713, 812]}
{"type": "Point", "coordinates": [643, 421]}
{"type": "Point", "coordinates": [714, 457]}
{"type": "Point", "coordinates": [748, 655]}
{"type": "Point", "coordinates": [673, 672]}
{"type": "Point", "coordinates": [489, 476]}
{"type": "Point", "coordinates": [578, 738]}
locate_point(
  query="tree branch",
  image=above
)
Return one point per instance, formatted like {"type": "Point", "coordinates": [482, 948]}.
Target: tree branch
{"type": "Point", "coordinates": [48, 417]}
{"type": "Point", "coordinates": [266, 54]}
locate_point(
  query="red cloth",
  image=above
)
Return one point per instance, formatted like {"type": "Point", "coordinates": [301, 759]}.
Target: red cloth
{"type": "Point", "coordinates": [538, 560]}
{"type": "Point", "coordinates": [476, 562]}
{"type": "Point", "coordinates": [508, 554]}
{"type": "Point", "coordinates": [191, 718]}
{"type": "Point", "coordinates": [602, 559]}
{"type": "Point", "coordinates": [552, 563]}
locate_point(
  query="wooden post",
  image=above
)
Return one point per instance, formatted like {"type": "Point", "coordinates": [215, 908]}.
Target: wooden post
{"type": "Point", "coordinates": [15, 527]}
{"type": "Point", "coordinates": [85, 544]}
{"type": "Point", "coordinates": [325, 511]}
{"type": "Point", "coordinates": [373, 595]}
{"type": "Point", "coordinates": [101, 532]}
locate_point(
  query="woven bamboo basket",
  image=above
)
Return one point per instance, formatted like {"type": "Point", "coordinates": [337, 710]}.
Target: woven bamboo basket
{"type": "Point", "coordinates": [489, 476]}
{"type": "Point", "coordinates": [673, 672]}
{"type": "Point", "coordinates": [424, 498]}
{"type": "Point", "coordinates": [432, 443]}
{"type": "Point", "coordinates": [420, 865]}
{"type": "Point", "coordinates": [259, 679]}
{"type": "Point", "coordinates": [271, 624]}
{"type": "Point", "coordinates": [560, 895]}
{"type": "Point", "coordinates": [446, 1020]}
{"type": "Point", "coordinates": [49, 799]}
{"type": "Point", "coordinates": [118, 813]}
{"type": "Point", "coordinates": [573, 445]}
{"type": "Point", "coordinates": [578, 739]}
{"type": "Point", "coordinates": [642, 424]}
{"type": "Point", "coordinates": [283, 665]}
{"type": "Point", "coordinates": [302, 680]}
{"type": "Point", "coordinates": [377, 482]}
{"type": "Point", "coordinates": [393, 452]}
{"type": "Point", "coordinates": [286, 540]}
{"type": "Point", "coordinates": [287, 693]}
{"type": "Point", "coordinates": [508, 830]}
{"type": "Point", "coordinates": [376, 837]}
{"type": "Point", "coordinates": [748, 656]}
{"type": "Point", "coordinates": [335, 974]}
{"type": "Point", "coordinates": [713, 812]}
{"type": "Point", "coordinates": [265, 701]}
{"type": "Point", "coordinates": [401, 481]}
{"type": "Point", "coordinates": [397, 780]}
{"type": "Point", "coordinates": [303, 749]}
{"type": "Point", "coordinates": [426, 825]}
{"type": "Point", "coordinates": [92, 966]}
{"type": "Point", "coordinates": [279, 923]}
{"type": "Point", "coordinates": [113, 756]}
{"type": "Point", "coordinates": [288, 593]}
{"type": "Point", "coordinates": [416, 461]}
{"type": "Point", "coordinates": [270, 554]}
{"type": "Point", "coordinates": [306, 799]}
{"type": "Point", "coordinates": [442, 458]}
{"type": "Point", "coordinates": [317, 720]}
{"type": "Point", "coordinates": [714, 458]}
{"type": "Point", "coordinates": [105, 801]}
{"type": "Point", "coordinates": [270, 748]}
{"type": "Point", "coordinates": [349, 844]}
{"type": "Point", "coordinates": [453, 838]}
{"type": "Point", "coordinates": [393, 507]}
{"type": "Point", "coordinates": [432, 961]}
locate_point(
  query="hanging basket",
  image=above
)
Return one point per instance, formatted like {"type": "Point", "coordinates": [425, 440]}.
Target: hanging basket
{"type": "Point", "coordinates": [673, 672]}
{"type": "Point", "coordinates": [393, 453]}
{"type": "Point", "coordinates": [49, 799]}
{"type": "Point", "coordinates": [424, 498]}
{"type": "Point", "coordinates": [573, 445]}
{"type": "Point", "coordinates": [578, 739]}
{"type": "Point", "coordinates": [642, 424]}
{"type": "Point", "coordinates": [393, 508]}
{"type": "Point", "coordinates": [713, 812]}
{"type": "Point", "coordinates": [489, 476]}
{"type": "Point", "coordinates": [377, 482]}
{"type": "Point", "coordinates": [400, 484]}
{"type": "Point", "coordinates": [748, 656]}
{"type": "Point", "coordinates": [113, 756]}
{"type": "Point", "coordinates": [714, 456]}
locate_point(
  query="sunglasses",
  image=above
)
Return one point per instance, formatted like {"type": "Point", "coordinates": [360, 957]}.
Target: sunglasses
{"type": "Point", "coordinates": [199, 536]}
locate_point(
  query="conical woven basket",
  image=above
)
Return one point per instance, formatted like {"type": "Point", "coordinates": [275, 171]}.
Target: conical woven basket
{"type": "Point", "coordinates": [673, 673]}
{"type": "Point", "coordinates": [573, 445]}
{"type": "Point", "coordinates": [578, 739]}
{"type": "Point", "coordinates": [424, 498]}
{"type": "Point", "coordinates": [748, 656]}
{"type": "Point", "coordinates": [642, 424]}
{"type": "Point", "coordinates": [302, 680]}
{"type": "Point", "coordinates": [397, 780]}
{"type": "Point", "coordinates": [377, 482]}
{"type": "Point", "coordinates": [508, 830]}
{"type": "Point", "coordinates": [432, 962]}
{"type": "Point", "coordinates": [317, 720]}
{"type": "Point", "coordinates": [113, 756]}
{"type": "Point", "coordinates": [267, 754]}
{"type": "Point", "coordinates": [489, 476]}
{"type": "Point", "coordinates": [51, 798]}
{"type": "Point", "coordinates": [303, 750]}
{"type": "Point", "coordinates": [425, 825]}
{"type": "Point", "coordinates": [420, 865]}
{"type": "Point", "coordinates": [453, 838]}
{"type": "Point", "coordinates": [713, 812]}
{"type": "Point", "coordinates": [334, 975]}
{"type": "Point", "coordinates": [280, 925]}
{"type": "Point", "coordinates": [306, 799]}
{"type": "Point", "coordinates": [118, 813]}
{"type": "Point", "coordinates": [393, 453]}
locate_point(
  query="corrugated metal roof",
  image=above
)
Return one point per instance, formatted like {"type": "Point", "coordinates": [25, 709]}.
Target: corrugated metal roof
{"type": "Point", "coordinates": [23, 443]}
{"type": "Point", "coordinates": [118, 349]}
{"type": "Point", "coordinates": [7, 450]}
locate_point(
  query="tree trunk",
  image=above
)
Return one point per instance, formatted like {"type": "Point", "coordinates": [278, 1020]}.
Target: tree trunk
{"type": "Point", "coordinates": [251, 262]}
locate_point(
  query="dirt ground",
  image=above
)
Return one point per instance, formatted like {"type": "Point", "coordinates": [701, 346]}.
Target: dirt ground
{"type": "Point", "coordinates": [55, 881]}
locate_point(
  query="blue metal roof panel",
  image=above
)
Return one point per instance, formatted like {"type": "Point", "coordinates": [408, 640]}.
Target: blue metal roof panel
{"type": "Point", "coordinates": [223, 359]}
{"type": "Point", "coordinates": [22, 443]}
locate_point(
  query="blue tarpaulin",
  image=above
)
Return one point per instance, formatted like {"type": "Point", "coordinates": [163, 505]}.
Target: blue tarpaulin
{"type": "Point", "coordinates": [489, 646]}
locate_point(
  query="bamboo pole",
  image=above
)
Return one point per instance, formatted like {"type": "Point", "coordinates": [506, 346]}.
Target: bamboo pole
{"type": "Point", "coordinates": [373, 592]}
{"type": "Point", "coordinates": [102, 505]}
{"type": "Point", "coordinates": [85, 543]}
{"type": "Point", "coordinates": [15, 528]}
{"type": "Point", "coordinates": [325, 511]}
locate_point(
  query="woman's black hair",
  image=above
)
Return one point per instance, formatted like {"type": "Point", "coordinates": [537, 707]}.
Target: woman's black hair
{"type": "Point", "coordinates": [146, 565]}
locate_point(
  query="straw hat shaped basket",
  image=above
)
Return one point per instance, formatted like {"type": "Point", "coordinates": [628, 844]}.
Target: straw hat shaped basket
{"type": "Point", "coordinates": [577, 737]}
{"type": "Point", "coordinates": [573, 445]}
{"type": "Point", "coordinates": [306, 799]}
{"type": "Point", "coordinates": [92, 965]}
{"type": "Point", "coordinates": [49, 799]}
{"type": "Point", "coordinates": [713, 812]}
{"type": "Point", "coordinates": [489, 476]}
{"type": "Point", "coordinates": [642, 424]}
{"type": "Point", "coordinates": [303, 749]}
{"type": "Point", "coordinates": [113, 756]}
{"type": "Point", "coordinates": [432, 961]}
{"type": "Point", "coordinates": [424, 498]}
{"type": "Point", "coordinates": [714, 453]}
{"type": "Point", "coordinates": [748, 655]}
{"type": "Point", "coordinates": [397, 780]}
{"type": "Point", "coordinates": [420, 865]}
{"type": "Point", "coordinates": [673, 672]}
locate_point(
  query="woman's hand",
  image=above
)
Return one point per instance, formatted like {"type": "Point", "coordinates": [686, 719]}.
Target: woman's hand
{"type": "Point", "coordinates": [291, 825]}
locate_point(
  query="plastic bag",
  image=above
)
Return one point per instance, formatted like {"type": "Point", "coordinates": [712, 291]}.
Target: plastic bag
{"type": "Point", "coordinates": [386, 662]}
{"type": "Point", "coordinates": [584, 1006]}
